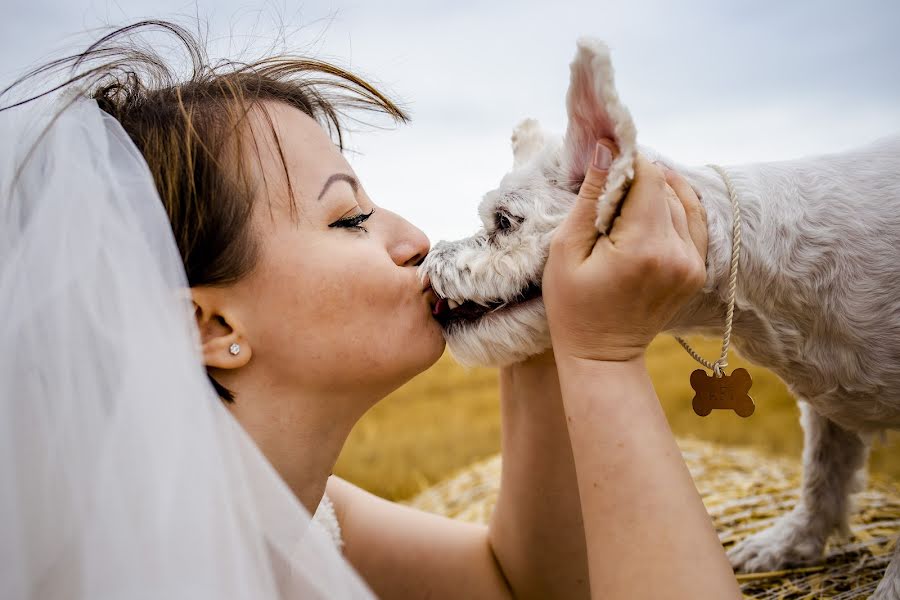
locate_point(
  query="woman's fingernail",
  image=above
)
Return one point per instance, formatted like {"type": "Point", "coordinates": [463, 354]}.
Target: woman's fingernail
{"type": "Point", "coordinates": [602, 157]}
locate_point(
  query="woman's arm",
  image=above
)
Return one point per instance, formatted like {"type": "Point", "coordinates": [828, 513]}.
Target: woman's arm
{"type": "Point", "coordinates": [536, 530]}
{"type": "Point", "coordinates": [534, 546]}
{"type": "Point", "coordinates": [405, 553]}
{"type": "Point", "coordinates": [648, 533]}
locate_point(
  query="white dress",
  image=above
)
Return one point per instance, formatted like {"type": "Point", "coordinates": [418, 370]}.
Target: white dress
{"type": "Point", "coordinates": [326, 518]}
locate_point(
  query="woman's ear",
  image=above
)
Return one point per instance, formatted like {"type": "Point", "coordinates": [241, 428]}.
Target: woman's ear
{"type": "Point", "coordinates": [224, 342]}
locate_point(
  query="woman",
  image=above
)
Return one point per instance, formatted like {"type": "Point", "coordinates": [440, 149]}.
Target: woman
{"type": "Point", "coordinates": [310, 310]}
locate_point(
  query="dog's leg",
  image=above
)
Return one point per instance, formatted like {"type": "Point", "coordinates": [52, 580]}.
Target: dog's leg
{"type": "Point", "coordinates": [832, 459]}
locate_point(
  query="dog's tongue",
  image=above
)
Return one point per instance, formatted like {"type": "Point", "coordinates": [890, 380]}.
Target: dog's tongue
{"type": "Point", "coordinates": [466, 311]}
{"type": "Point", "coordinates": [440, 308]}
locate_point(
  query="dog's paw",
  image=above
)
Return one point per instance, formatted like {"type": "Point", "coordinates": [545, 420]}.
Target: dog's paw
{"type": "Point", "coordinates": [788, 543]}
{"type": "Point", "coordinates": [889, 587]}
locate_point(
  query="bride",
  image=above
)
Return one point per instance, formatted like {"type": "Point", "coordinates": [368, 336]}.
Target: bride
{"type": "Point", "coordinates": [200, 300]}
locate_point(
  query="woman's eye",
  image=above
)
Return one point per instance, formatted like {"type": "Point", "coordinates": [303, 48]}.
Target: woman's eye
{"type": "Point", "coordinates": [353, 221]}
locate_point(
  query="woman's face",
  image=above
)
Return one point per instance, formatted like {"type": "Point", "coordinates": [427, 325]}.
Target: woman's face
{"type": "Point", "coordinates": [334, 305]}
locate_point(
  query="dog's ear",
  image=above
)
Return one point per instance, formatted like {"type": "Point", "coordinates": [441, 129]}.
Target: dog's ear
{"type": "Point", "coordinates": [595, 113]}
{"type": "Point", "coordinates": [594, 109]}
{"type": "Point", "coordinates": [527, 140]}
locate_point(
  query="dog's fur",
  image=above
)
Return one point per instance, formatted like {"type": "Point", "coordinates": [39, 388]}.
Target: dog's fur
{"type": "Point", "coordinates": [818, 296]}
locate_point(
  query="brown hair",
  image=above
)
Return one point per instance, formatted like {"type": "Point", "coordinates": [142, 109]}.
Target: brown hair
{"type": "Point", "coordinates": [188, 129]}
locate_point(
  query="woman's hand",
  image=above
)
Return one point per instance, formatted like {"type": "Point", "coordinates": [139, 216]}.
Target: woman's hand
{"type": "Point", "coordinates": [607, 297]}
{"type": "Point", "coordinates": [646, 530]}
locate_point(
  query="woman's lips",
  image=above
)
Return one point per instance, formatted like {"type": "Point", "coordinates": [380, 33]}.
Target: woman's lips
{"type": "Point", "coordinates": [432, 298]}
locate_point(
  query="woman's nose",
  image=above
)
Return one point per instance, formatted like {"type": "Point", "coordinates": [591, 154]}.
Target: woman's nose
{"type": "Point", "coordinates": [409, 245]}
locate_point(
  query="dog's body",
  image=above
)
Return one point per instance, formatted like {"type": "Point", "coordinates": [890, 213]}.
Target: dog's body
{"type": "Point", "coordinates": [818, 303]}
{"type": "Point", "coordinates": [818, 294]}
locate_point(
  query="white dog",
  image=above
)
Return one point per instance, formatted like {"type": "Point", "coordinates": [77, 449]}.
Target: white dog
{"type": "Point", "coordinates": [818, 295]}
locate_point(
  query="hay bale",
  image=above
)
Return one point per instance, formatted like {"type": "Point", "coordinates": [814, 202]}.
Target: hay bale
{"type": "Point", "coordinates": [743, 492]}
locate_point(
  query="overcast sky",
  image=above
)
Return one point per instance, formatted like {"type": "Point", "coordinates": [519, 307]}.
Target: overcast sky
{"type": "Point", "coordinates": [706, 80]}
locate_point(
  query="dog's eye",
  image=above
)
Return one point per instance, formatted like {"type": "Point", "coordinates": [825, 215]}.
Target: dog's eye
{"type": "Point", "coordinates": [503, 223]}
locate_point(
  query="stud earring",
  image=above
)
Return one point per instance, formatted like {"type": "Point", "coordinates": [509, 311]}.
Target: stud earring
{"type": "Point", "coordinates": [234, 349]}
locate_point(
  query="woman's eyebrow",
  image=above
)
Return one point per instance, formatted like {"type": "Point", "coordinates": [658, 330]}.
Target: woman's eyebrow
{"type": "Point", "coordinates": [339, 177]}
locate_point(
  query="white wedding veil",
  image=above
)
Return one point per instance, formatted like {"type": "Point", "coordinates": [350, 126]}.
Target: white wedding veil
{"type": "Point", "coordinates": [122, 475]}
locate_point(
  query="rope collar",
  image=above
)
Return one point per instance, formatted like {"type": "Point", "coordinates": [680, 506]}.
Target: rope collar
{"type": "Point", "coordinates": [718, 367]}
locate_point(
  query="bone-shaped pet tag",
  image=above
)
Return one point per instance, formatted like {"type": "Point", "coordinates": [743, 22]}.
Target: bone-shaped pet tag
{"type": "Point", "coordinates": [727, 392]}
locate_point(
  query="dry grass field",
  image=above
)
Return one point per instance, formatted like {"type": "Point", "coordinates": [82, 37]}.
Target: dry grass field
{"type": "Point", "coordinates": [448, 417]}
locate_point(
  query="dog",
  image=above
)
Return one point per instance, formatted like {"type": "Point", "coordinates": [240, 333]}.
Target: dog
{"type": "Point", "coordinates": [818, 291]}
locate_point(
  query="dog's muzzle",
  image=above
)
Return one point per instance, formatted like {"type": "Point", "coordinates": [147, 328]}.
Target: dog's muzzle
{"type": "Point", "coordinates": [449, 312]}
